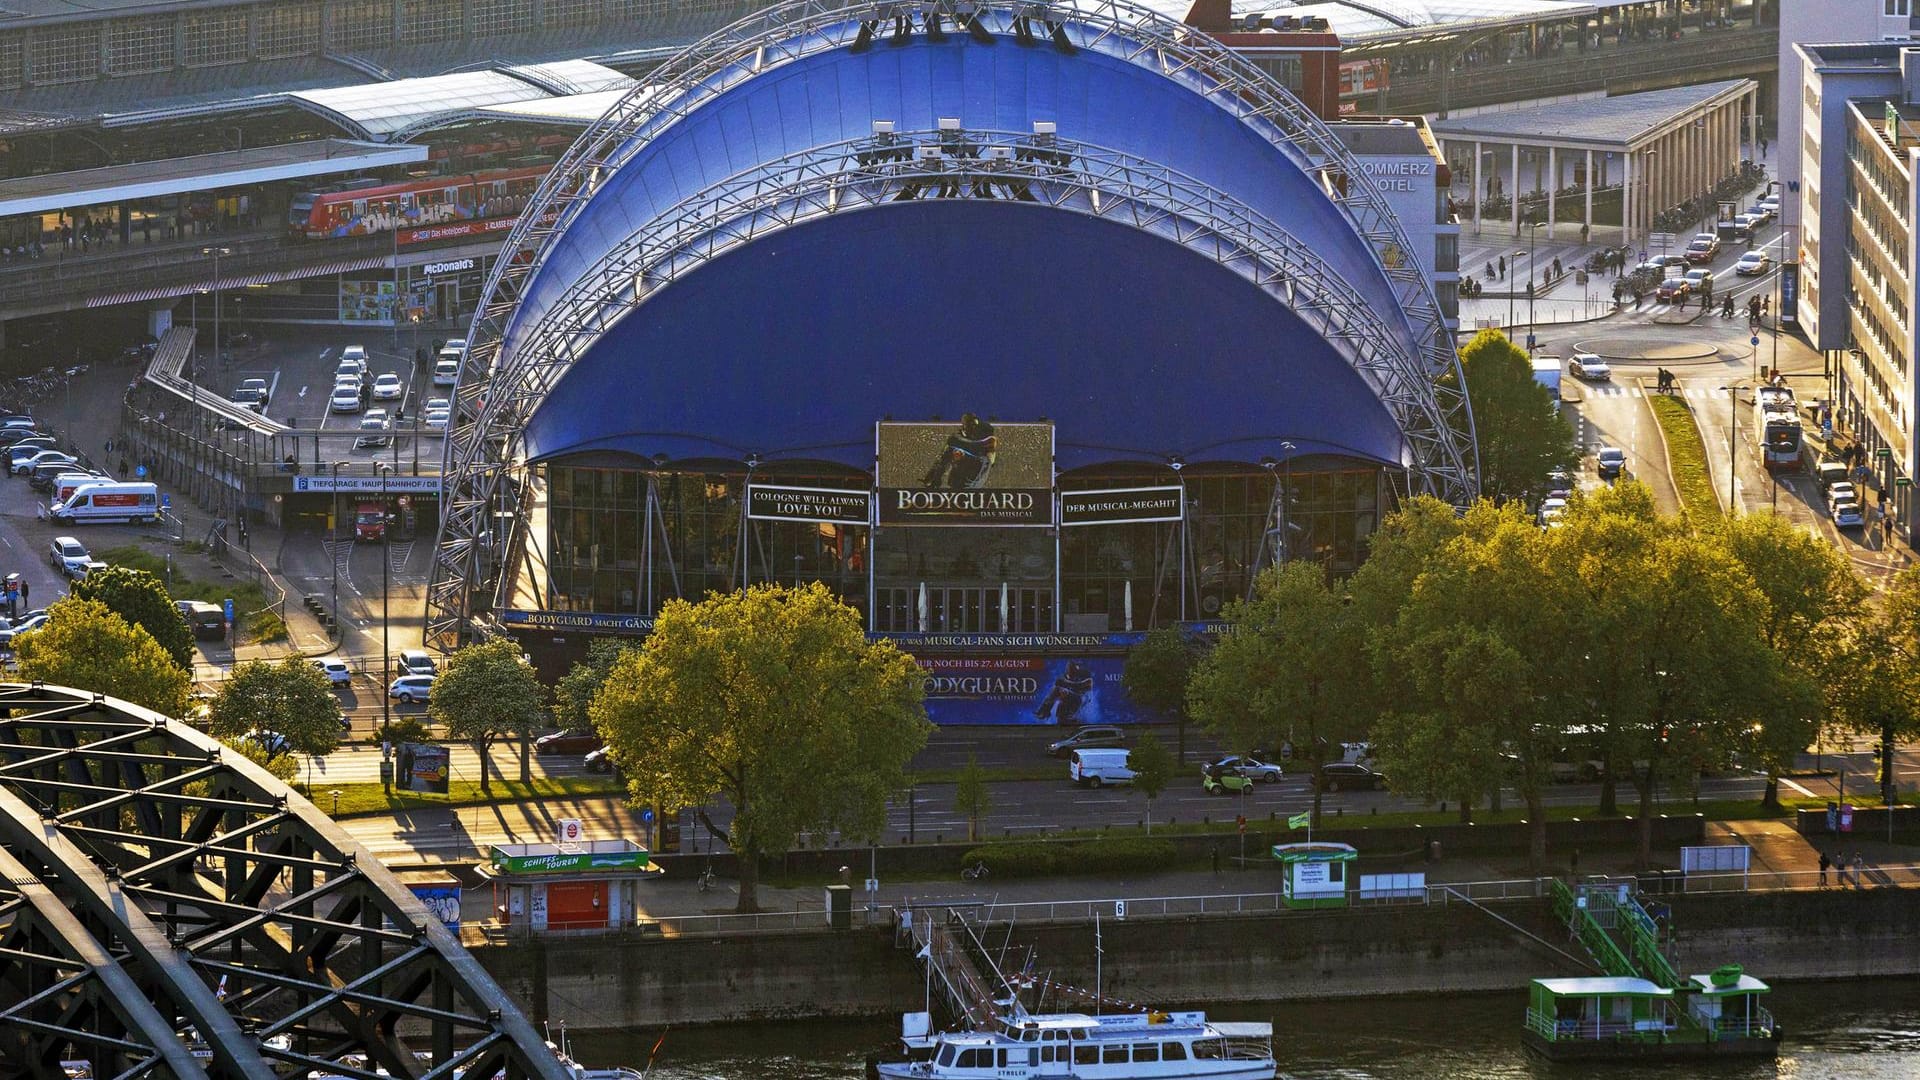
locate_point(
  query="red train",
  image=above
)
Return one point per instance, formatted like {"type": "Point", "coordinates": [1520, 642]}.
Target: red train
{"type": "Point", "coordinates": [437, 205]}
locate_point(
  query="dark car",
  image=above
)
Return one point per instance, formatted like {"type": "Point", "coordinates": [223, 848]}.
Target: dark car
{"type": "Point", "coordinates": [598, 761]}
{"type": "Point", "coordinates": [568, 742]}
{"type": "Point", "coordinates": [1610, 462]}
{"type": "Point", "coordinates": [1348, 776]}
{"type": "Point", "coordinates": [1088, 738]}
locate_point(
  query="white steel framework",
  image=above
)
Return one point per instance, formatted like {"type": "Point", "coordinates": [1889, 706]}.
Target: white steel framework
{"type": "Point", "coordinates": [483, 510]}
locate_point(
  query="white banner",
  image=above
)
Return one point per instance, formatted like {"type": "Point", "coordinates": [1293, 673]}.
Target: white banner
{"type": "Point", "coordinates": [368, 485]}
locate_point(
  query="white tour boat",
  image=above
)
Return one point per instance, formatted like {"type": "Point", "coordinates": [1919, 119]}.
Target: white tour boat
{"type": "Point", "coordinates": [1124, 1046]}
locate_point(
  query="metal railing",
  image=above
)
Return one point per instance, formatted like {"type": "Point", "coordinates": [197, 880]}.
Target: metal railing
{"type": "Point", "coordinates": [64, 285]}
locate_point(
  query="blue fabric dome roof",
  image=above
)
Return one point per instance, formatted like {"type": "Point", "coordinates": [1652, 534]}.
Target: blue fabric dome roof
{"type": "Point", "coordinates": [745, 313]}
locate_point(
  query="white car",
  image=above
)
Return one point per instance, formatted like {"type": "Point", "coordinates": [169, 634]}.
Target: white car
{"type": "Point", "coordinates": [388, 386]}
{"type": "Point", "coordinates": [1590, 366]}
{"type": "Point", "coordinates": [355, 352]}
{"type": "Point", "coordinates": [1842, 492]}
{"type": "Point", "coordinates": [1847, 515]}
{"type": "Point", "coordinates": [458, 345]}
{"type": "Point", "coordinates": [373, 429]}
{"type": "Point", "coordinates": [1753, 262]}
{"type": "Point", "coordinates": [411, 688]}
{"type": "Point", "coordinates": [346, 398]}
{"type": "Point", "coordinates": [1551, 509]}
{"type": "Point", "coordinates": [438, 420]}
{"type": "Point", "coordinates": [25, 466]}
{"type": "Point", "coordinates": [335, 670]}
{"type": "Point", "coordinates": [438, 404]}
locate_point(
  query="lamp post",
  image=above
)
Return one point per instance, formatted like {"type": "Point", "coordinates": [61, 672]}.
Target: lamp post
{"type": "Point", "coordinates": [386, 560]}
{"type": "Point", "coordinates": [216, 252]}
{"type": "Point", "coordinates": [1533, 234]}
{"type": "Point", "coordinates": [335, 608]}
{"type": "Point", "coordinates": [1733, 423]}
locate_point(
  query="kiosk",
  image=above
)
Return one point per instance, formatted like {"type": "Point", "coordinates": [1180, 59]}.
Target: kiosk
{"type": "Point", "coordinates": [1314, 874]}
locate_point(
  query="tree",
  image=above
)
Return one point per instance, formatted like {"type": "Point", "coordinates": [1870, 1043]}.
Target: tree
{"type": "Point", "coordinates": [1521, 435]}
{"type": "Point", "coordinates": [573, 694]}
{"type": "Point", "coordinates": [487, 691]}
{"type": "Point", "coordinates": [1156, 675]}
{"type": "Point", "coordinates": [1879, 692]}
{"type": "Point", "coordinates": [1283, 671]}
{"type": "Point", "coordinates": [1152, 767]}
{"type": "Point", "coordinates": [1812, 594]}
{"type": "Point", "coordinates": [138, 597]}
{"type": "Point", "coordinates": [774, 699]}
{"type": "Point", "coordinates": [88, 647]}
{"type": "Point", "coordinates": [291, 697]}
{"type": "Point", "coordinates": [971, 799]}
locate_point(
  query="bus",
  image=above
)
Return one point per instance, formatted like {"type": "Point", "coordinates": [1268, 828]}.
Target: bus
{"type": "Point", "coordinates": [1776, 425]}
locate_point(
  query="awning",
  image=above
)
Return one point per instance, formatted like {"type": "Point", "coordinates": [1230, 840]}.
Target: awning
{"type": "Point", "coordinates": [202, 172]}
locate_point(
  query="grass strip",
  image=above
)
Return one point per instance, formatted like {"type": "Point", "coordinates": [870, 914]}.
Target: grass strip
{"type": "Point", "coordinates": [1686, 459]}
{"type": "Point", "coordinates": [363, 799]}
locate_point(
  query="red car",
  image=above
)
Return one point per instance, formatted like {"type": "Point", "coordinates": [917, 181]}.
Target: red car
{"type": "Point", "coordinates": [1674, 290]}
{"type": "Point", "coordinates": [1702, 251]}
{"type": "Point", "coordinates": [568, 742]}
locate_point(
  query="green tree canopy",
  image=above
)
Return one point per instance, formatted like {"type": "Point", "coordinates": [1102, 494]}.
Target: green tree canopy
{"type": "Point", "coordinates": [1156, 675]}
{"type": "Point", "coordinates": [88, 647]}
{"type": "Point", "coordinates": [1877, 689]}
{"type": "Point", "coordinates": [138, 597]}
{"type": "Point", "coordinates": [573, 694]}
{"type": "Point", "coordinates": [774, 699]}
{"type": "Point", "coordinates": [1153, 766]}
{"type": "Point", "coordinates": [971, 797]}
{"type": "Point", "coordinates": [1521, 436]}
{"type": "Point", "coordinates": [1284, 669]}
{"type": "Point", "coordinates": [485, 692]}
{"type": "Point", "coordinates": [291, 697]}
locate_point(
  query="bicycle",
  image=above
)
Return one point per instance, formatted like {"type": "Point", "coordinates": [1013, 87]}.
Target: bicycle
{"type": "Point", "coordinates": [976, 872]}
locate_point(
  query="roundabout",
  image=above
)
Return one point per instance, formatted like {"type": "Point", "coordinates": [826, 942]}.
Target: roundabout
{"type": "Point", "coordinates": [1630, 351]}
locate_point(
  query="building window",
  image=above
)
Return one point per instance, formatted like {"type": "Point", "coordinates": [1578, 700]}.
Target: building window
{"type": "Point", "coordinates": [12, 62]}
{"type": "Point", "coordinates": [635, 10]}
{"type": "Point", "coordinates": [494, 17]}
{"type": "Point", "coordinates": [288, 30]}
{"type": "Point", "coordinates": [563, 14]}
{"type": "Point", "coordinates": [430, 20]}
{"type": "Point", "coordinates": [360, 24]}
{"type": "Point", "coordinates": [1897, 7]}
{"type": "Point", "coordinates": [140, 46]}
{"type": "Point", "coordinates": [65, 54]}
{"type": "Point", "coordinates": [216, 37]}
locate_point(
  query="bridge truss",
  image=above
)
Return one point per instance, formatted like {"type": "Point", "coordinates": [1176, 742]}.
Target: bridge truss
{"type": "Point", "coordinates": [170, 909]}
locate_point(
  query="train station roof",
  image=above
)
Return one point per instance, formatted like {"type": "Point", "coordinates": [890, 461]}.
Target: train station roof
{"type": "Point", "coordinates": [1361, 24]}
{"type": "Point", "coordinates": [1616, 123]}
{"type": "Point", "coordinates": [201, 172]}
{"type": "Point", "coordinates": [385, 110]}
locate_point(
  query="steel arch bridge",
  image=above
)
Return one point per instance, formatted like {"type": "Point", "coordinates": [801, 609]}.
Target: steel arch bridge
{"type": "Point", "coordinates": [483, 515]}
{"type": "Point", "coordinates": [170, 909]}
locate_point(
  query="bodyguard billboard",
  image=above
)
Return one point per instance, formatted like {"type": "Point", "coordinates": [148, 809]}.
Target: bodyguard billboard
{"type": "Point", "coordinates": [972, 473]}
{"type": "Point", "coordinates": [1041, 689]}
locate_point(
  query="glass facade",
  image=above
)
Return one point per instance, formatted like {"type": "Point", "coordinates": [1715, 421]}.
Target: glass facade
{"type": "Point", "coordinates": [611, 548]}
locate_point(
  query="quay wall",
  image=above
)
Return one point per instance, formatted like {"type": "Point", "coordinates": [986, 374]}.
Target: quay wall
{"type": "Point", "coordinates": [618, 981]}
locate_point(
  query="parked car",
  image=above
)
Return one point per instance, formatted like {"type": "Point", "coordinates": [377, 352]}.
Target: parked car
{"type": "Point", "coordinates": [336, 671]}
{"type": "Point", "coordinates": [598, 760]}
{"type": "Point", "coordinates": [1590, 366]}
{"type": "Point", "coordinates": [1348, 776]}
{"type": "Point", "coordinates": [26, 447]}
{"type": "Point", "coordinates": [1840, 492]}
{"type": "Point", "coordinates": [1674, 290]}
{"type": "Point", "coordinates": [1217, 779]}
{"type": "Point", "coordinates": [1761, 211]}
{"type": "Point", "coordinates": [411, 688]}
{"type": "Point", "coordinates": [1251, 767]}
{"type": "Point", "coordinates": [31, 622]}
{"type": "Point", "coordinates": [66, 553]}
{"type": "Point", "coordinates": [14, 435]}
{"type": "Point", "coordinates": [1753, 263]}
{"type": "Point", "coordinates": [48, 469]}
{"type": "Point", "coordinates": [571, 741]}
{"type": "Point", "coordinates": [388, 386]}
{"type": "Point", "coordinates": [207, 621]}
{"type": "Point", "coordinates": [86, 568]}
{"type": "Point", "coordinates": [1088, 738]}
{"type": "Point", "coordinates": [1611, 461]}
{"type": "Point", "coordinates": [1830, 473]}
{"type": "Point", "coordinates": [1847, 515]}
{"type": "Point", "coordinates": [375, 430]}
{"type": "Point", "coordinates": [417, 662]}
{"type": "Point", "coordinates": [24, 466]}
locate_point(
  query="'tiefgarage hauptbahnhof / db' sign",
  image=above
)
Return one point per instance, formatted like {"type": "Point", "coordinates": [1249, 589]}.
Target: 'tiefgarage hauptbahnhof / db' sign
{"type": "Point", "coordinates": [971, 473]}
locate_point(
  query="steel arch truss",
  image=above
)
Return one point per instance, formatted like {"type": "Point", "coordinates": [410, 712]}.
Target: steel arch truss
{"type": "Point", "coordinates": [484, 498]}
{"type": "Point", "coordinates": [209, 908]}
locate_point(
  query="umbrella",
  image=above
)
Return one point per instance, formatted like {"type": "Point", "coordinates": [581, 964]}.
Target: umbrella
{"type": "Point", "coordinates": [923, 607]}
{"type": "Point", "coordinates": [1003, 607]}
{"type": "Point", "coordinates": [1127, 600]}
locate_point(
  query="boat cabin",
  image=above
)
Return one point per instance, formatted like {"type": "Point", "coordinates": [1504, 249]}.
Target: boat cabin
{"type": "Point", "coordinates": [1156, 1044]}
{"type": "Point", "coordinates": [1726, 1003]}
{"type": "Point", "coordinates": [1560, 1010]}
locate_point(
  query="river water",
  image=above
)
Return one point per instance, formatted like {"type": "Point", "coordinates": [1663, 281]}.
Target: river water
{"type": "Point", "coordinates": [1867, 1030]}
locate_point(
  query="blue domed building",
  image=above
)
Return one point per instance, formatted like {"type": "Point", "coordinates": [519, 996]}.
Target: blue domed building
{"type": "Point", "coordinates": [1025, 327]}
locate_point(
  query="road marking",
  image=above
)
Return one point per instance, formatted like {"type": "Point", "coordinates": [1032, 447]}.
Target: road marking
{"type": "Point", "coordinates": [1788, 783]}
{"type": "Point", "coordinates": [302, 393]}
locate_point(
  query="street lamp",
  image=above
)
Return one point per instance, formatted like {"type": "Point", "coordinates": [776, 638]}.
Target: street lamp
{"type": "Point", "coordinates": [216, 252]}
{"type": "Point", "coordinates": [386, 559]}
{"type": "Point", "coordinates": [1733, 423]}
{"type": "Point", "coordinates": [335, 554]}
{"type": "Point", "coordinates": [1533, 234]}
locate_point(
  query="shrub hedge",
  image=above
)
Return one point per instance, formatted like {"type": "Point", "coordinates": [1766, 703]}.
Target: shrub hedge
{"type": "Point", "coordinates": [1042, 858]}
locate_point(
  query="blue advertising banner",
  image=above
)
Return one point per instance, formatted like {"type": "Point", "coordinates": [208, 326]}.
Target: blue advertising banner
{"type": "Point", "coordinates": [1789, 313]}
{"type": "Point", "coordinates": [1044, 689]}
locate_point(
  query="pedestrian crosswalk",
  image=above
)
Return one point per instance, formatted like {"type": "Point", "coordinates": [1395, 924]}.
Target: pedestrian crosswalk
{"type": "Point", "coordinates": [1629, 390]}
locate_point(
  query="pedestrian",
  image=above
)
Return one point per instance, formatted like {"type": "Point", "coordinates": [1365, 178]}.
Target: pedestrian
{"type": "Point", "coordinates": [1583, 232]}
{"type": "Point", "coordinates": [1763, 146]}
{"type": "Point", "coordinates": [1503, 267]}
{"type": "Point", "coordinates": [1573, 864]}
{"type": "Point", "coordinates": [1824, 863]}
{"type": "Point", "coordinates": [1766, 305]}
{"type": "Point", "coordinates": [1216, 860]}
{"type": "Point", "coordinates": [26, 591]}
{"type": "Point", "coordinates": [1859, 860]}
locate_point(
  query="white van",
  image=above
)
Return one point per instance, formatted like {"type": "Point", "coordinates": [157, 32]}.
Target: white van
{"type": "Point", "coordinates": [66, 484]}
{"type": "Point", "coordinates": [109, 500]}
{"type": "Point", "coordinates": [1094, 768]}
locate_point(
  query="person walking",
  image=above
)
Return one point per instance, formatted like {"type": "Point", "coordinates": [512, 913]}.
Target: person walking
{"type": "Point", "coordinates": [1859, 860]}
{"type": "Point", "coordinates": [1503, 267]}
{"type": "Point", "coordinates": [1216, 860]}
{"type": "Point", "coordinates": [1766, 306]}
{"type": "Point", "coordinates": [1824, 863]}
